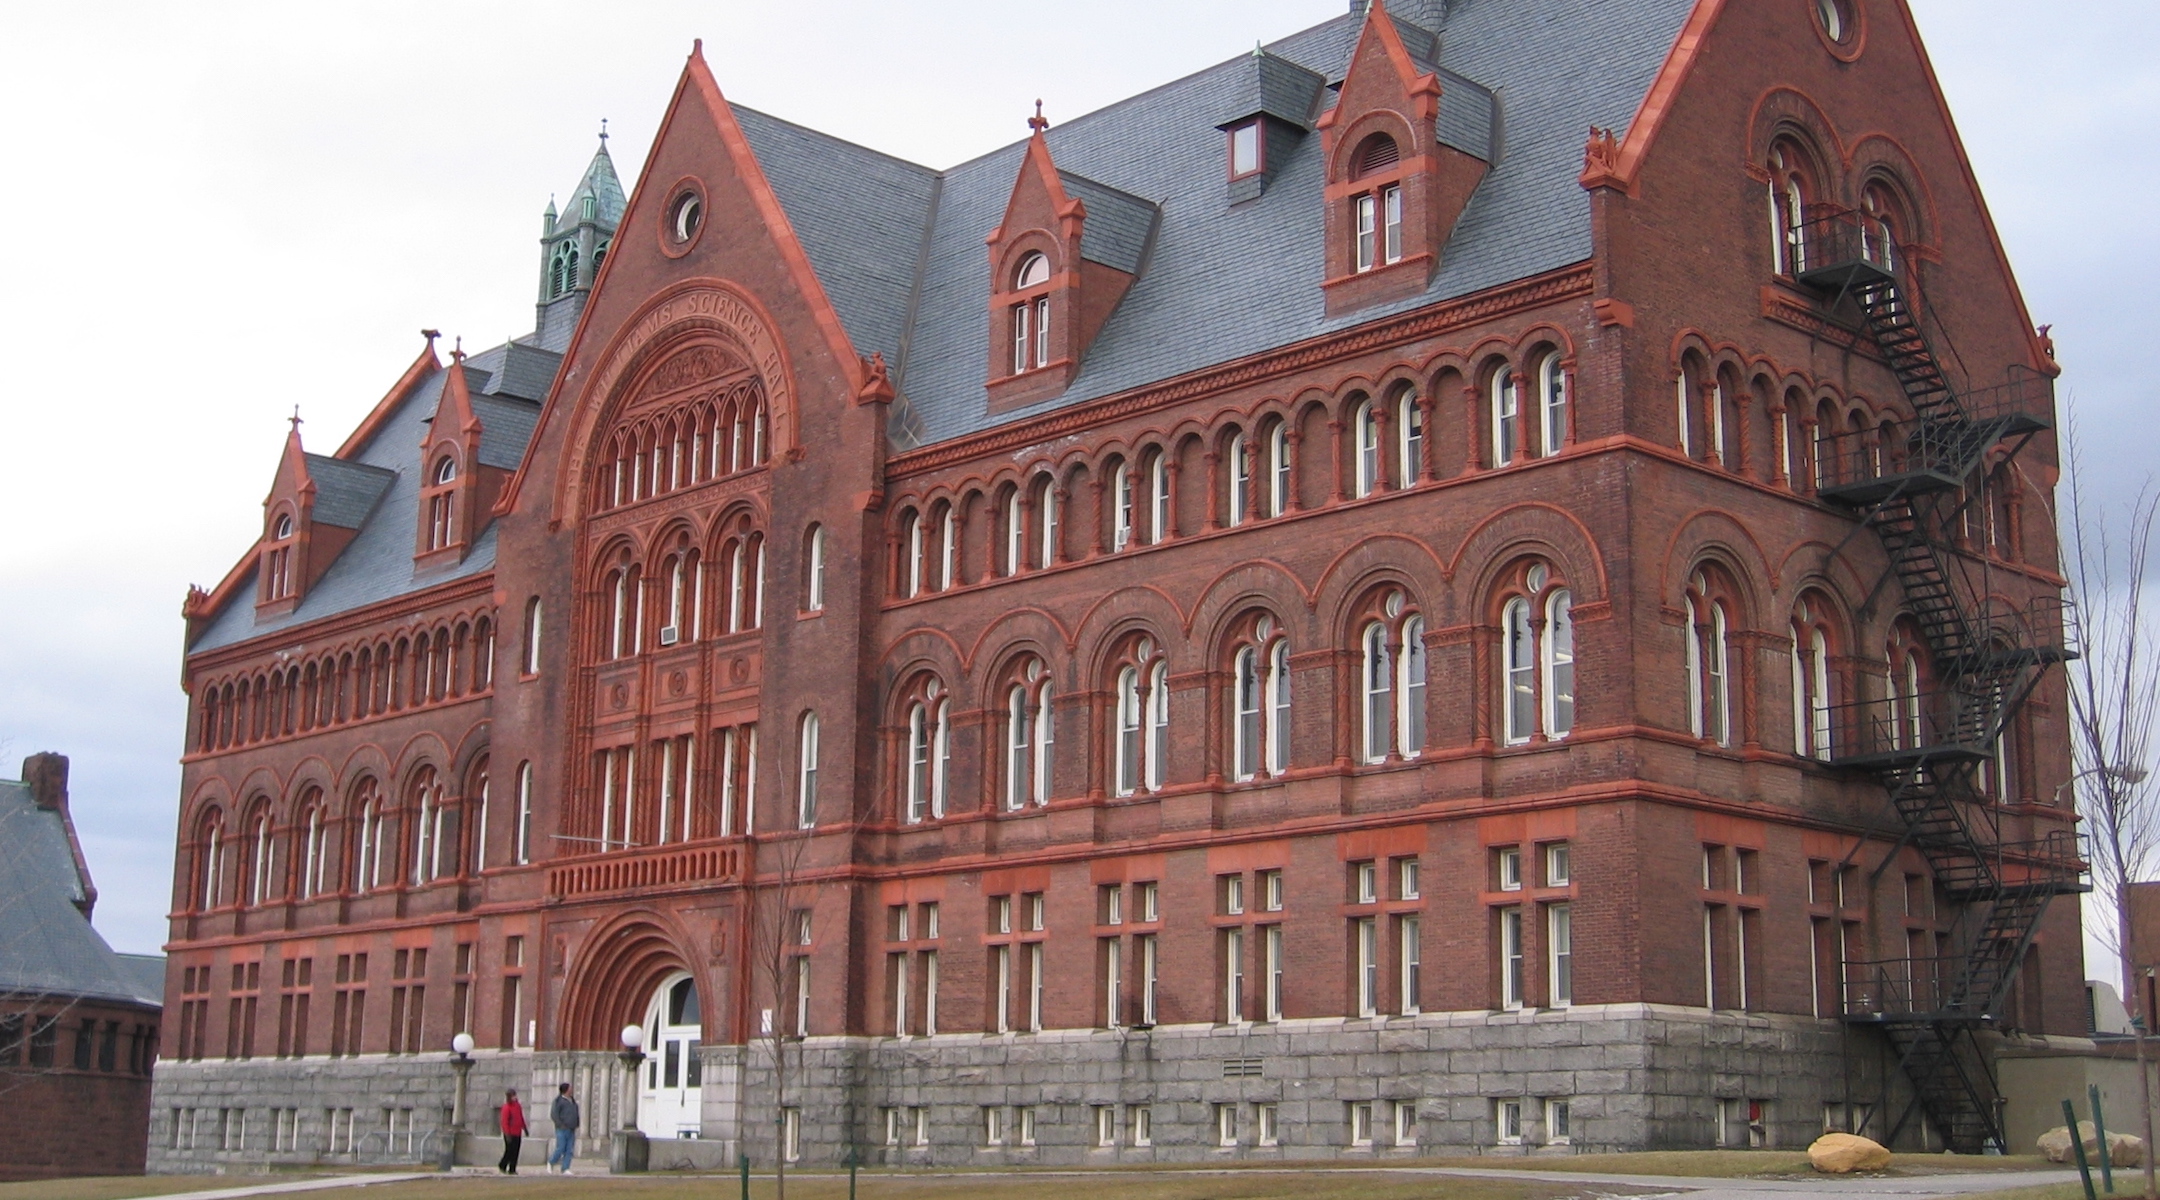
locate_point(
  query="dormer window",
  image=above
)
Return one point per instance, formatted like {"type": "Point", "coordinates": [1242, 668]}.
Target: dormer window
{"type": "Point", "coordinates": [442, 503]}
{"type": "Point", "coordinates": [1245, 150]}
{"type": "Point", "coordinates": [277, 569]}
{"type": "Point", "coordinates": [1379, 212]}
{"type": "Point", "coordinates": [1031, 317]}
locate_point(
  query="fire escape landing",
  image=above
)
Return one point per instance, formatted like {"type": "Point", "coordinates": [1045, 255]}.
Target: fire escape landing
{"type": "Point", "coordinates": [1914, 489]}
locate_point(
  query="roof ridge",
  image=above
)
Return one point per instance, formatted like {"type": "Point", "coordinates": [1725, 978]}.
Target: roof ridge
{"type": "Point", "coordinates": [830, 137]}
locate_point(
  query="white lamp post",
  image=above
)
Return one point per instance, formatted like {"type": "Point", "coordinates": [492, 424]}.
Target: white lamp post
{"type": "Point", "coordinates": [630, 1152]}
{"type": "Point", "coordinates": [461, 1064]}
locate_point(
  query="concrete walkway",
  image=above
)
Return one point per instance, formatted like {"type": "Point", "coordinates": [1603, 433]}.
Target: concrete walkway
{"type": "Point", "coordinates": [1691, 1187]}
{"type": "Point", "coordinates": [317, 1183]}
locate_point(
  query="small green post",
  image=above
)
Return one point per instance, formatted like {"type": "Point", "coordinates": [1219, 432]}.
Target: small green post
{"type": "Point", "coordinates": [851, 1171]}
{"type": "Point", "coordinates": [2107, 1156]}
{"type": "Point", "coordinates": [745, 1157]}
{"type": "Point", "coordinates": [2078, 1144]}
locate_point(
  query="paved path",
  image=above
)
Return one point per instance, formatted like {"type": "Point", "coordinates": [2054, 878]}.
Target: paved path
{"type": "Point", "coordinates": [1692, 1187]}
{"type": "Point", "coordinates": [315, 1183]}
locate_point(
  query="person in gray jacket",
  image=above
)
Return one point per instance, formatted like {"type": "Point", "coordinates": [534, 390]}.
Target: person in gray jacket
{"type": "Point", "coordinates": [564, 1113]}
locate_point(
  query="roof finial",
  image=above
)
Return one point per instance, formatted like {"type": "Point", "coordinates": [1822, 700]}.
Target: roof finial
{"type": "Point", "coordinates": [431, 334]}
{"type": "Point", "coordinates": [296, 420]}
{"type": "Point", "coordinates": [1257, 52]}
{"type": "Point", "coordinates": [1038, 122]}
{"type": "Point", "coordinates": [603, 130]}
{"type": "Point", "coordinates": [457, 350]}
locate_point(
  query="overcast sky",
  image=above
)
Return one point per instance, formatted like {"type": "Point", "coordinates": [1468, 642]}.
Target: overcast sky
{"type": "Point", "coordinates": [217, 212]}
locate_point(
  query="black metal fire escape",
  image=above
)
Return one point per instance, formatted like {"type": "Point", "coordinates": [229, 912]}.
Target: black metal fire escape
{"type": "Point", "coordinates": [1929, 747]}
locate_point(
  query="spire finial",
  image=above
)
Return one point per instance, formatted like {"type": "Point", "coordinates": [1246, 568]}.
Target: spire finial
{"type": "Point", "coordinates": [1257, 52]}
{"type": "Point", "coordinates": [457, 350]}
{"type": "Point", "coordinates": [1038, 122]}
{"type": "Point", "coordinates": [603, 131]}
{"type": "Point", "coordinates": [296, 420]}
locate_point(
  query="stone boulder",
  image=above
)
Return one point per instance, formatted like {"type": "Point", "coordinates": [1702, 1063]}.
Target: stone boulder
{"type": "Point", "coordinates": [1844, 1153]}
{"type": "Point", "coordinates": [2123, 1149]}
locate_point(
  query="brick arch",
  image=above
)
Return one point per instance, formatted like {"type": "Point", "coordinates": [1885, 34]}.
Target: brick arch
{"type": "Point", "coordinates": [1787, 112]}
{"type": "Point", "coordinates": [1533, 527]}
{"type": "Point", "coordinates": [1126, 611]}
{"type": "Point", "coordinates": [1380, 558]}
{"type": "Point", "coordinates": [924, 648]}
{"type": "Point", "coordinates": [1878, 157]}
{"type": "Point", "coordinates": [614, 974]}
{"type": "Point", "coordinates": [1714, 535]}
{"type": "Point", "coordinates": [1261, 583]}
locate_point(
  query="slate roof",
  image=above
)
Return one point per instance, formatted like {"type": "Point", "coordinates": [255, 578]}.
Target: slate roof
{"type": "Point", "coordinates": [1221, 282]}
{"type": "Point", "coordinates": [378, 563]}
{"type": "Point", "coordinates": [47, 946]}
{"type": "Point", "coordinates": [600, 183]}
{"type": "Point", "coordinates": [345, 492]}
{"type": "Point", "coordinates": [1271, 85]}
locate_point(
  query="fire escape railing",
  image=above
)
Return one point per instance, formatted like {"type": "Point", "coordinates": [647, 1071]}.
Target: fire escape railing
{"type": "Point", "coordinates": [1915, 486]}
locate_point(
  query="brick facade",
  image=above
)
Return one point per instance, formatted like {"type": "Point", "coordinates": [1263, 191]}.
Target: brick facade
{"type": "Point", "coordinates": [716, 415]}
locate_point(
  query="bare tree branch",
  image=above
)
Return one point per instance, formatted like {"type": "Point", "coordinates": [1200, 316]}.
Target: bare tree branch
{"type": "Point", "coordinates": [778, 936]}
{"type": "Point", "coordinates": [2114, 698]}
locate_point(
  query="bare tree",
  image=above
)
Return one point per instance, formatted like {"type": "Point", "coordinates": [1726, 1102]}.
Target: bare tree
{"type": "Point", "coordinates": [779, 933]}
{"type": "Point", "coordinates": [2114, 708]}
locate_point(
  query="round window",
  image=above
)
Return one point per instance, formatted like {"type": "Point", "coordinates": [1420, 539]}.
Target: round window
{"type": "Point", "coordinates": [1836, 19]}
{"type": "Point", "coordinates": [688, 213]}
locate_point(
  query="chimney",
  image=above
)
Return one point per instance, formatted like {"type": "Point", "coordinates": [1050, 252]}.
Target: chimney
{"type": "Point", "coordinates": [46, 774]}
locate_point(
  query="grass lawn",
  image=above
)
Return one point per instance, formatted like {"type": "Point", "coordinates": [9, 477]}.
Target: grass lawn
{"type": "Point", "coordinates": [1302, 1181]}
{"type": "Point", "coordinates": [119, 1187]}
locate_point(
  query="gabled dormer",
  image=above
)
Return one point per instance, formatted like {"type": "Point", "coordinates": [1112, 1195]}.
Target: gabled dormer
{"type": "Point", "coordinates": [1067, 251]}
{"type": "Point", "coordinates": [473, 446]}
{"type": "Point", "coordinates": [1405, 146]}
{"type": "Point", "coordinates": [315, 508]}
{"type": "Point", "coordinates": [1271, 109]}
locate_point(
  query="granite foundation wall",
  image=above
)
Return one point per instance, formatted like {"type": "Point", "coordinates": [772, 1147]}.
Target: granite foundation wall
{"type": "Point", "coordinates": [1631, 1077]}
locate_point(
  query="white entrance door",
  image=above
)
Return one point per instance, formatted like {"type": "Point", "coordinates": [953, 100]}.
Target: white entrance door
{"type": "Point", "coordinates": [668, 1103]}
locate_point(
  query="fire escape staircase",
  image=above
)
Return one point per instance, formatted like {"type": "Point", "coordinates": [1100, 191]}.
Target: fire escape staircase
{"type": "Point", "coordinates": [1928, 749]}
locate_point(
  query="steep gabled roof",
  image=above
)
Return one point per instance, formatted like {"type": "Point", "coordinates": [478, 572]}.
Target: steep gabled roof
{"type": "Point", "coordinates": [1221, 281]}
{"type": "Point", "coordinates": [47, 945]}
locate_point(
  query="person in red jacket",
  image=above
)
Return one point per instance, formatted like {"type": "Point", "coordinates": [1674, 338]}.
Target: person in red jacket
{"type": "Point", "coordinates": [513, 1131]}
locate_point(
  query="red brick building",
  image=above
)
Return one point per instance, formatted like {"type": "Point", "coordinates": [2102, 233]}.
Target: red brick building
{"type": "Point", "coordinates": [78, 1023]}
{"type": "Point", "coordinates": [1308, 612]}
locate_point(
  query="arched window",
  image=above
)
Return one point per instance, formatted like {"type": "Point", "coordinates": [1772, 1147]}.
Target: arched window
{"type": "Point", "coordinates": [1015, 531]}
{"type": "Point", "coordinates": [1709, 663]}
{"type": "Point", "coordinates": [1552, 404]}
{"type": "Point", "coordinates": [1410, 690]}
{"type": "Point", "coordinates": [314, 833]}
{"type": "Point", "coordinates": [1905, 725]}
{"type": "Point", "coordinates": [1031, 316]}
{"type": "Point", "coordinates": [1409, 440]}
{"type": "Point", "coordinates": [1278, 689]}
{"type": "Point", "coordinates": [1122, 500]}
{"type": "Point", "coordinates": [814, 569]}
{"type": "Point", "coordinates": [928, 751]}
{"type": "Point", "coordinates": [431, 820]}
{"type": "Point", "coordinates": [1811, 680]}
{"type": "Point", "coordinates": [562, 269]}
{"type": "Point", "coordinates": [368, 849]}
{"type": "Point", "coordinates": [1721, 431]}
{"type": "Point", "coordinates": [912, 535]}
{"type": "Point", "coordinates": [277, 573]}
{"type": "Point", "coordinates": [1027, 736]}
{"type": "Point", "coordinates": [684, 579]}
{"type": "Point", "coordinates": [1046, 512]}
{"type": "Point", "coordinates": [1366, 422]}
{"type": "Point", "coordinates": [1684, 408]}
{"type": "Point", "coordinates": [1506, 402]}
{"type": "Point", "coordinates": [1559, 664]}
{"type": "Point", "coordinates": [480, 823]}
{"type": "Point", "coordinates": [806, 757]}
{"type": "Point", "coordinates": [948, 547]}
{"type": "Point", "coordinates": [442, 504]}
{"type": "Point", "coordinates": [1880, 224]}
{"type": "Point", "coordinates": [1537, 657]}
{"type": "Point", "coordinates": [1128, 731]}
{"type": "Point", "coordinates": [524, 812]}
{"type": "Point", "coordinates": [1789, 194]}
{"type": "Point", "coordinates": [1260, 700]}
{"type": "Point", "coordinates": [1376, 677]}
{"type": "Point", "coordinates": [1520, 668]}
{"type": "Point", "coordinates": [1279, 469]}
{"type": "Point", "coordinates": [1158, 497]}
{"type": "Point", "coordinates": [260, 858]}
{"type": "Point", "coordinates": [1158, 721]}
{"type": "Point", "coordinates": [1246, 702]}
{"type": "Point", "coordinates": [1240, 480]}
{"type": "Point", "coordinates": [1377, 215]}
{"type": "Point", "coordinates": [210, 862]}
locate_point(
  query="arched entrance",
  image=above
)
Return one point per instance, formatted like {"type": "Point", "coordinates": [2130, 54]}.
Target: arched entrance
{"type": "Point", "coordinates": [668, 1105]}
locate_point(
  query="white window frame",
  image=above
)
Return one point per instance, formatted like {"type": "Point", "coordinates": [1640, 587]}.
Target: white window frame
{"type": "Point", "coordinates": [1121, 523]}
{"type": "Point", "coordinates": [1365, 219]}
{"type": "Point", "coordinates": [1511, 958]}
{"type": "Point", "coordinates": [1410, 689]}
{"type": "Point", "coordinates": [1278, 705]}
{"type": "Point", "coordinates": [806, 749]}
{"type": "Point", "coordinates": [1559, 956]}
{"type": "Point", "coordinates": [1552, 405]}
{"type": "Point", "coordinates": [1409, 439]}
{"type": "Point", "coordinates": [1367, 932]}
{"type": "Point", "coordinates": [1508, 1122]}
{"type": "Point", "coordinates": [1240, 481]}
{"type": "Point", "coordinates": [1376, 687]}
{"type": "Point", "coordinates": [1506, 406]}
{"type": "Point", "coordinates": [1279, 466]}
{"type": "Point", "coordinates": [1366, 422]}
{"type": "Point", "coordinates": [1411, 963]}
{"type": "Point", "coordinates": [1556, 655]}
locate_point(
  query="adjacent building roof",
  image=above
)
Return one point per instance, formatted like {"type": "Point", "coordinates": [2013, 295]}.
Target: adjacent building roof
{"type": "Point", "coordinates": [47, 945]}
